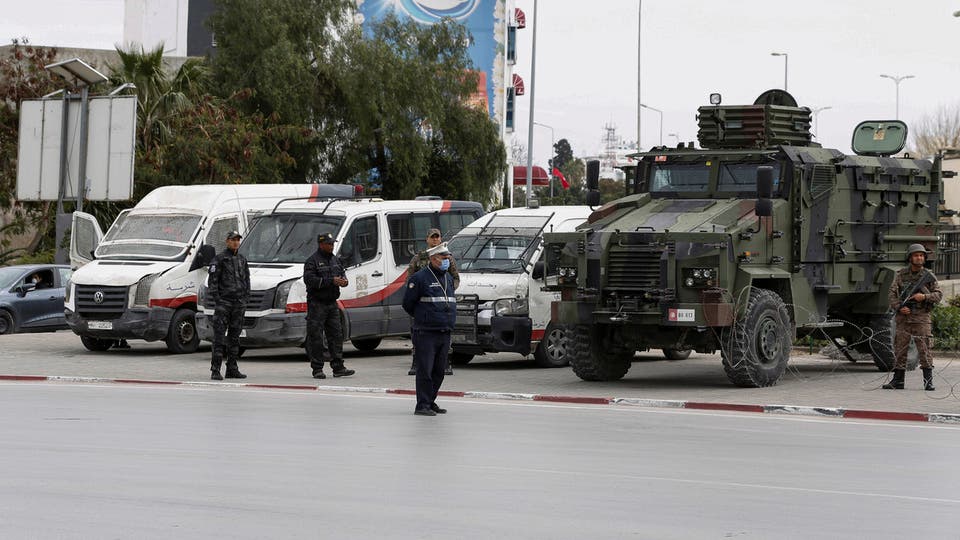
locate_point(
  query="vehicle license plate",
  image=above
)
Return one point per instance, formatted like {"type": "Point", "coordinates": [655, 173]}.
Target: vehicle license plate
{"type": "Point", "coordinates": [100, 325]}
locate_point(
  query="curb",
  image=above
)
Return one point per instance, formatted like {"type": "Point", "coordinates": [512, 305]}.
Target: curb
{"type": "Point", "coordinates": [830, 412]}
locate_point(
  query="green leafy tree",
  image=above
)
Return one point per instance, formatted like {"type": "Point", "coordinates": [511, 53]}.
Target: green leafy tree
{"type": "Point", "coordinates": [563, 153]}
{"type": "Point", "coordinates": [466, 155]}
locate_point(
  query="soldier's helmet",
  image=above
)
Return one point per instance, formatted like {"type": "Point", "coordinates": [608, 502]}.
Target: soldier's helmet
{"type": "Point", "coordinates": [914, 248]}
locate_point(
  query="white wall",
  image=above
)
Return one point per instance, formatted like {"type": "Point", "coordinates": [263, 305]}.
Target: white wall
{"type": "Point", "coordinates": [149, 22]}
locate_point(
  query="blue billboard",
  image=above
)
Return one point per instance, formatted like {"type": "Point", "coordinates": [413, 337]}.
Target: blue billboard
{"type": "Point", "coordinates": [486, 21]}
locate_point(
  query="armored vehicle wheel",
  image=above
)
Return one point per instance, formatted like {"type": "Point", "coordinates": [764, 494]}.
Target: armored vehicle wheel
{"type": "Point", "coordinates": [876, 339]}
{"type": "Point", "coordinates": [592, 360]}
{"type": "Point", "coordinates": [553, 348]}
{"type": "Point", "coordinates": [366, 345]}
{"type": "Point", "coordinates": [460, 359]}
{"type": "Point", "coordinates": [676, 354]}
{"type": "Point", "coordinates": [182, 338]}
{"type": "Point", "coordinates": [96, 344]}
{"type": "Point", "coordinates": [756, 349]}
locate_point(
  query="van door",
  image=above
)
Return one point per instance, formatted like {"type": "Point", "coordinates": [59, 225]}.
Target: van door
{"type": "Point", "coordinates": [364, 299]}
{"type": "Point", "coordinates": [85, 236]}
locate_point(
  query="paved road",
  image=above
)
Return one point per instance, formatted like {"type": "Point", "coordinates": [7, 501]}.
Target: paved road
{"type": "Point", "coordinates": [811, 380]}
{"type": "Point", "coordinates": [89, 461]}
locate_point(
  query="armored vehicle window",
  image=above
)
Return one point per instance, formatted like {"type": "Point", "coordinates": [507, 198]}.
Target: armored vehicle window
{"type": "Point", "coordinates": [676, 178]}
{"type": "Point", "coordinates": [743, 177]}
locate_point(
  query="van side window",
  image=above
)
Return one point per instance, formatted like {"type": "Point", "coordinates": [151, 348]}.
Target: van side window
{"type": "Point", "coordinates": [408, 235]}
{"type": "Point", "coordinates": [452, 222]}
{"type": "Point", "coordinates": [361, 243]}
{"type": "Point", "coordinates": [217, 235]}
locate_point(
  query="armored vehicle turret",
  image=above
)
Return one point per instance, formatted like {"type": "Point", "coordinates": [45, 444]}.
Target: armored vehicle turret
{"type": "Point", "coordinates": [741, 246]}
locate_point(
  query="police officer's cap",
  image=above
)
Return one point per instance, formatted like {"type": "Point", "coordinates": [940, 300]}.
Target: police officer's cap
{"type": "Point", "coordinates": [234, 234]}
{"type": "Point", "coordinates": [439, 250]}
{"type": "Point", "coordinates": [325, 238]}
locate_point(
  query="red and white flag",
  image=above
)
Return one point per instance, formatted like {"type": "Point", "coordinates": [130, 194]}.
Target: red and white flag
{"type": "Point", "coordinates": [563, 179]}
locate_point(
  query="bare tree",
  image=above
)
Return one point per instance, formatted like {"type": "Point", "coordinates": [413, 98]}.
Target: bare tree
{"type": "Point", "coordinates": [937, 131]}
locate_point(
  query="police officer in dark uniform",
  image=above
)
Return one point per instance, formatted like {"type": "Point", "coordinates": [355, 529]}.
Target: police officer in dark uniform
{"type": "Point", "coordinates": [430, 300]}
{"type": "Point", "coordinates": [419, 262]}
{"type": "Point", "coordinates": [228, 288]}
{"type": "Point", "coordinates": [324, 275]}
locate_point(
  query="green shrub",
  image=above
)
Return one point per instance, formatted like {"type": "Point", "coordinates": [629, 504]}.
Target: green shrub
{"type": "Point", "coordinates": [946, 326]}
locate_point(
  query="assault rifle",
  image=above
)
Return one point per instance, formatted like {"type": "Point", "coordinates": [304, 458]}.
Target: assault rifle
{"type": "Point", "coordinates": [905, 297]}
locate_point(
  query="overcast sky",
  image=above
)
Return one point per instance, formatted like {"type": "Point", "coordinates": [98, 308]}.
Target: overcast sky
{"type": "Point", "coordinates": [587, 59]}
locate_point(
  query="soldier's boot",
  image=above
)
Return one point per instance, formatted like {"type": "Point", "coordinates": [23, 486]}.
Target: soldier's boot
{"type": "Point", "coordinates": [215, 370]}
{"type": "Point", "coordinates": [928, 379]}
{"type": "Point", "coordinates": [233, 371]}
{"type": "Point", "coordinates": [897, 382]}
{"type": "Point", "coordinates": [339, 370]}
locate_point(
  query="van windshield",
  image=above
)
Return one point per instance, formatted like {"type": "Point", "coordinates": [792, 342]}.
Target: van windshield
{"type": "Point", "coordinates": [162, 236]}
{"type": "Point", "coordinates": [287, 237]}
{"type": "Point", "coordinates": [504, 245]}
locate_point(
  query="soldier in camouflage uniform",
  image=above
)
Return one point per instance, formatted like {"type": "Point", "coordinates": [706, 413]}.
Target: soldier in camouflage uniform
{"type": "Point", "coordinates": [228, 288]}
{"type": "Point", "coordinates": [912, 305]}
{"type": "Point", "coordinates": [420, 261]}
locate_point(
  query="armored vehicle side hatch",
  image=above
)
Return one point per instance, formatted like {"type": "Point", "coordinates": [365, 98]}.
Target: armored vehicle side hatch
{"type": "Point", "coordinates": [879, 137]}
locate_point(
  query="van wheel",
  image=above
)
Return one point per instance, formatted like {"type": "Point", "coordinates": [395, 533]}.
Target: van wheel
{"type": "Point", "coordinates": [6, 322]}
{"type": "Point", "coordinates": [367, 344]}
{"type": "Point", "coordinates": [676, 354]}
{"type": "Point", "coordinates": [96, 344]}
{"type": "Point", "coordinates": [551, 352]}
{"type": "Point", "coordinates": [182, 338]}
{"type": "Point", "coordinates": [460, 359]}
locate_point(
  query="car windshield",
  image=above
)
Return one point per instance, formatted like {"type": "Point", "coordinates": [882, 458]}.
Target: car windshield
{"type": "Point", "coordinates": [9, 277]}
{"type": "Point", "coordinates": [287, 237]}
{"type": "Point", "coordinates": [148, 236]}
{"type": "Point", "coordinates": [742, 177]}
{"type": "Point", "coordinates": [484, 253]}
{"type": "Point", "coordinates": [679, 178]}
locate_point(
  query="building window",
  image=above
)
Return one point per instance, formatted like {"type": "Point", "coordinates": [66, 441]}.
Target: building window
{"type": "Point", "coordinates": [512, 44]}
{"type": "Point", "coordinates": [509, 115]}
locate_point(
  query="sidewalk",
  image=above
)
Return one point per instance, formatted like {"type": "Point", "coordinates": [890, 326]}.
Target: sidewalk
{"type": "Point", "coordinates": [812, 382]}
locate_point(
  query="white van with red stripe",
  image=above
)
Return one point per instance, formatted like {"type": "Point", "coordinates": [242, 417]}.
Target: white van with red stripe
{"type": "Point", "coordinates": [501, 306]}
{"type": "Point", "coordinates": [140, 279]}
{"type": "Point", "coordinates": [375, 241]}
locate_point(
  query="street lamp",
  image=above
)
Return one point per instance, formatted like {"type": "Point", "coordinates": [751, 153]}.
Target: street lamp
{"type": "Point", "coordinates": [816, 123]}
{"type": "Point", "coordinates": [658, 111]}
{"type": "Point", "coordinates": [785, 61]}
{"type": "Point", "coordinates": [550, 162]}
{"type": "Point", "coordinates": [675, 136]}
{"type": "Point", "coordinates": [897, 81]}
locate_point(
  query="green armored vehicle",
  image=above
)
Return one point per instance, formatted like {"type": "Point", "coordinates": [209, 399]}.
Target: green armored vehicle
{"type": "Point", "coordinates": [757, 238]}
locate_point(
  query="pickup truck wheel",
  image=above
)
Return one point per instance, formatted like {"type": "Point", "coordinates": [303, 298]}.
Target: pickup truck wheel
{"type": "Point", "coordinates": [460, 359]}
{"type": "Point", "coordinates": [756, 349]}
{"type": "Point", "coordinates": [551, 352]}
{"type": "Point", "coordinates": [7, 325]}
{"type": "Point", "coordinates": [96, 344]}
{"type": "Point", "coordinates": [366, 345]}
{"type": "Point", "coordinates": [676, 354]}
{"type": "Point", "coordinates": [593, 359]}
{"type": "Point", "coordinates": [182, 338]}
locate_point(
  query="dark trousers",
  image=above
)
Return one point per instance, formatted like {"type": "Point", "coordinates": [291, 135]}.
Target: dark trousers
{"type": "Point", "coordinates": [324, 334]}
{"type": "Point", "coordinates": [227, 323]}
{"type": "Point", "coordinates": [430, 354]}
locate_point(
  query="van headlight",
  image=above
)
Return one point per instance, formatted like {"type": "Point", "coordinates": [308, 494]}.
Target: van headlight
{"type": "Point", "coordinates": [505, 307]}
{"type": "Point", "coordinates": [141, 297]}
{"type": "Point", "coordinates": [283, 292]}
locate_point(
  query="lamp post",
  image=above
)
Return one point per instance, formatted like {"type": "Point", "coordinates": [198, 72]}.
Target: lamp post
{"type": "Point", "coordinates": [658, 111]}
{"type": "Point", "coordinates": [785, 61]}
{"type": "Point", "coordinates": [816, 123]}
{"type": "Point", "coordinates": [533, 79]}
{"type": "Point", "coordinates": [896, 80]}
{"type": "Point", "coordinates": [550, 161]}
{"type": "Point", "coordinates": [676, 137]}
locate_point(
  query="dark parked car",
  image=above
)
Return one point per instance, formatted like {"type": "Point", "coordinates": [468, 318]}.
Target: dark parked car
{"type": "Point", "coordinates": [31, 297]}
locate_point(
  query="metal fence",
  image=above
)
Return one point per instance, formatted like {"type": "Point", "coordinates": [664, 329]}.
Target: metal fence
{"type": "Point", "coordinates": [947, 265]}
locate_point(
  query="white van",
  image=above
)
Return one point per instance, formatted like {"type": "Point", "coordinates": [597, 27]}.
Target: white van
{"type": "Point", "coordinates": [500, 304]}
{"type": "Point", "coordinates": [140, 280]}
{"type": "Point", "coordinates": [375, 241]}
